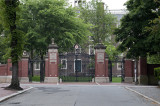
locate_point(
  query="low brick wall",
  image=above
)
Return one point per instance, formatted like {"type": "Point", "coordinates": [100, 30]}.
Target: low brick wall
{"type": "Point", "coordinates": [3, 70]}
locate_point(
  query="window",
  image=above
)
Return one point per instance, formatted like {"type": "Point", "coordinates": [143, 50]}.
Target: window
{"type": "Point", "coordinates": [37, 66]}
{"type": "Point", "coordinates": [78, 65]}
{"type": "Point", "coordinates": [119, 66]}
{"type": "Point", "coordinates": [91, 50]}
{"type": "Point", "coordinates": [64, 64]}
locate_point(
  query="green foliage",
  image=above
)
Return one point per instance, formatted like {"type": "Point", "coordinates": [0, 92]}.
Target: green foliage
{"type": "Point", "coordinates": [45, 19]}
{"type": "Point", "coordinates": [132, 32]}
{"type": "Point", "coordinates": [112, 52]}
{"type": "Point", "coordinates": [116, 79]}
{"type": "Point", "coordinates": [36, 78]}
{"type": "Point", "coordinates": [14, 38]}
{"type": "Point", "coordinates": [153, 59]}
{"type": "Point", "coordinates": [73, 79]}
{"type": "Point", "coordinates": [102, 23]}
{"type": "Point", "coordinates": [157, 72]}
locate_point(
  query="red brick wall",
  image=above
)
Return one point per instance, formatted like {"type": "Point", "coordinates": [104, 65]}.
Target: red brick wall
{"type": "Point", "coordinates": [46, 68]}
{"type": "Point", "coordinates": [23, 68]}
{"type": "Point", "coordinates": [9, 66]}
{"type": "Point", "coordinates": [128, 68]}
{"type": "Point", "coordinates": [3, 70]}
{"type": "Point", "coordinates": [100, 67]}
{"type": "Point", "coordinates": [51, 67]}
{"type": "Point", "coordinates": [142, 68]}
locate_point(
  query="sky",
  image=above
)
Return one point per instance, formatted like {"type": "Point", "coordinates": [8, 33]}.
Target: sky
{"type": "Point", "coordinates": [112, 4]}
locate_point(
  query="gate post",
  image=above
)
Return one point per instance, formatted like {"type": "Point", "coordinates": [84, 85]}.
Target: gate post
{"type": "Point", "coordinates": [100, 64]}
{"type": "Point", "coordinates": [142, 71]}
{"type": "Point", "coordinates": [23, 68]}
{"type": "Point", "coordinates": [129, 70]}
{"type": "Point", "coordinates": [51, 66]}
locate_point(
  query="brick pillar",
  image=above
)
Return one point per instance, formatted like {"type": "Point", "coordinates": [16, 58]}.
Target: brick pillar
{"type": "Point", "coordinates": [23, 68]}
{"type": "Point", "coordinates": [142, 71]}
{"type": "Point", "coordinates": [128, 70]}
{"type": "Point", "coordinates": [100, 64]}
{"type": "Point", "coordinates": [106, 67]}
{"type": "Point", "coordinates": [51, 72]}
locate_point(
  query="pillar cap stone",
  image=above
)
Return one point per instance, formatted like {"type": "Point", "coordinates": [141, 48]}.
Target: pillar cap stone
{"type": "Point", "coordinates": [100, 46]}
{"type": "Point", "coordinates": [53, 45]}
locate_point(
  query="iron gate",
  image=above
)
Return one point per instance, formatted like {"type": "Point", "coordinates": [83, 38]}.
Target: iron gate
{"type": "Point", "coordinates": [118, 64]}
{"type": "Point", "coordinates": [31, 68]}
{"type": "Point", "coordinates": [76, 67]}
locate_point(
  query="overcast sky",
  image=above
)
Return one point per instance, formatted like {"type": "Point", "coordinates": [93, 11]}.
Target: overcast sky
{"type": "Point", "coordinates": [112, 4]}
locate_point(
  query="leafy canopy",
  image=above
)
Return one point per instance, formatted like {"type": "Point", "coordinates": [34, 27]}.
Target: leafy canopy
{"type": "Point", "coordinates": [46, 19]}
{"type": "Point", "coordinates": [134, 38]}
{"type": "Point", "coordinates": [103, 23]}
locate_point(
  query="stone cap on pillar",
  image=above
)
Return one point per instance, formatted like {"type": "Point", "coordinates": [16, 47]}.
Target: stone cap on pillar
{"type": "Point", "coordinates": [100, 46]}
{"type": "Point", "coordinates": [25, 54]}
{"type": "Point", "coordinates": [52, 45]}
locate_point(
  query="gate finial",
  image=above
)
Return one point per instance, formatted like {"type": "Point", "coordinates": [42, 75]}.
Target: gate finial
{"type": "Point", "coordinates": [52, 40]}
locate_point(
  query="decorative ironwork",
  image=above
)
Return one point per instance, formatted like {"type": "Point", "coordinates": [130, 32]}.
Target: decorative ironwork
{"type": "Point", "coordinates": [110, 68]}
{"type": "Point", "coordinates": [30, 68]}
{"type": "Point", "coordinates": [80, 67]}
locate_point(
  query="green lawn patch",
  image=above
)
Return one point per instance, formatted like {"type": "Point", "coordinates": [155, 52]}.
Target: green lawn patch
{"type": "Point", "coordinates": [36, 78]}
{"type": "Point", "coordinates": [73, 79]}
{"type": "Point", "coordinates": [116, 79]}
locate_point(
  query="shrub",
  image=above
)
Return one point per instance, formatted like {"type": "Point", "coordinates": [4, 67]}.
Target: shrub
{"type": "Point", "coordinates": [157, 72]}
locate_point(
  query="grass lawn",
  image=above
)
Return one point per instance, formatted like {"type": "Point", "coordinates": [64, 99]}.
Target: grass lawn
{"type": "Point", "coordinates": [116, 79]}
{"type": "Point", "coordinates": [36, 78]}
{"type": "Point", "coordinates": [73, 79]}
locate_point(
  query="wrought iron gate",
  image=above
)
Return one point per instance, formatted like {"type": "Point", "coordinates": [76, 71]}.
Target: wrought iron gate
{"type": "Point", "coordinates": [110, 68]}
{"type": "Point", "coordinates": [31, 68]}
{"type": "Point", "coordinates": [76, 67]}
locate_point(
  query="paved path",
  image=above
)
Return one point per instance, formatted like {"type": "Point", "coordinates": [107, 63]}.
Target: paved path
{"type": "Point", "coordinates": [78, 95]}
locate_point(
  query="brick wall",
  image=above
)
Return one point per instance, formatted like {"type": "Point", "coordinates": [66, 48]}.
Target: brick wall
{"type": "Point", "coordinates": [3, 70]}
{"type": "Point", "coordinates": [129, 69]}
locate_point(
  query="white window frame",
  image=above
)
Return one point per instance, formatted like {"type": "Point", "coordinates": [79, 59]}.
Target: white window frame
{"type": "Point", "coordinates": [75, 65]}
{"type": "Point", "coordinates": [35, 65]}
{"type": "Point", "coordinates": [119, 68]}
{"type": "Point", "coordinates": [66, 63]}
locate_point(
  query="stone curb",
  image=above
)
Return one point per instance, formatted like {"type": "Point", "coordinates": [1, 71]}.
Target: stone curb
{"type": "Point", "coordinates": [143, 95]}
{"type": "Point", "coordinates": [14, 94]}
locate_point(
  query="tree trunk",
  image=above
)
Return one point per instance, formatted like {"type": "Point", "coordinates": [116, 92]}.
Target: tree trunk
{"type": "Point", "coordinates": [15, 81]}
{"type": "Point", "coordinates": [11, 4]}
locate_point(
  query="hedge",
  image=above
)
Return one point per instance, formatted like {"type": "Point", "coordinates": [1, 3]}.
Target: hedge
{"type": "Point", "coordinates": [157, 72]}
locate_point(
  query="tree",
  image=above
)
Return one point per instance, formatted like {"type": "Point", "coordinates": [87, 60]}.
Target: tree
{"type": "Point", "coordinates": [42, 20]}
{"type": "Point", "coordinates": [103, 23]}
{"type": "Point", "coordinates": [134, 38]}
{"type": "Point", "coordinates": [9, 19]}
{"type": "Point", "coordinates": [46, 19]}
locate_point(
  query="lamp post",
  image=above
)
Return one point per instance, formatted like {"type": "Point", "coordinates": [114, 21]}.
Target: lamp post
{"type": "Point", "coordinates": [135, 71]}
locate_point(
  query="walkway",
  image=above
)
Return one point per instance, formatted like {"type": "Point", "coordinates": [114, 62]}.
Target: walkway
{"type": "Point", "coordinates": [86, 94]}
